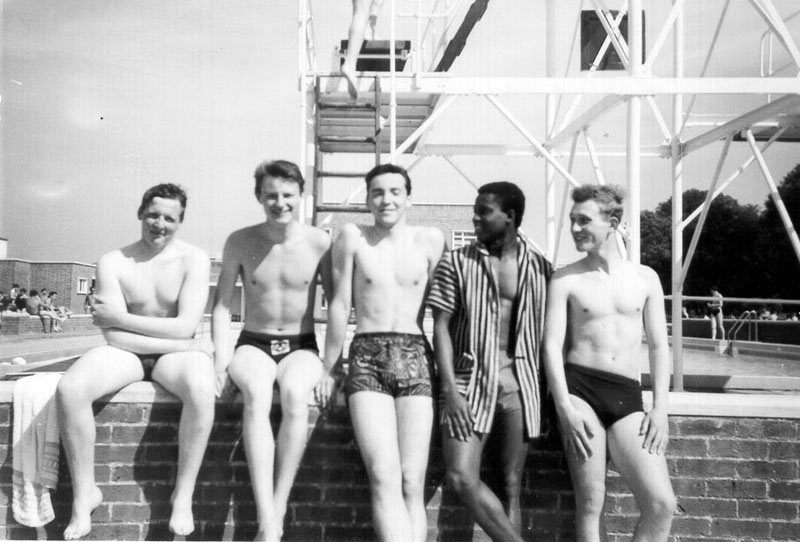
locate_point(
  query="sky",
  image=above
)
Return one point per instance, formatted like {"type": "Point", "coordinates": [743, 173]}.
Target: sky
{"type": "Point", "coordinates": [102, 99]}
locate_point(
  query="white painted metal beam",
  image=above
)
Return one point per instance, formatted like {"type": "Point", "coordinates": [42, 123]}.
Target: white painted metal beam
{"type": "Point", "coordinates": [775, 195]}
{"type": "Point", "coordinates": [596, 111]}
{"type": "Point", "coordinates": [442, 83]}
{"type": "Point", "coordinates": [767, 10]}
{"type": "Point", "coordinates": [787, 104]}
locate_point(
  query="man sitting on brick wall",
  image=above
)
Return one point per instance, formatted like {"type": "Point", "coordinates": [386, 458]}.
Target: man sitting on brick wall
{"type": "Point", "coordinates": [488, 303]}
{"type": "Point", "coordinates": [278, 261]}
{"type": "Point", "coordinates": [595, 309]}
{"type": "Point", "coordinates": [150, 299]}
{"type": "Point", "coordinates": [384, 271]}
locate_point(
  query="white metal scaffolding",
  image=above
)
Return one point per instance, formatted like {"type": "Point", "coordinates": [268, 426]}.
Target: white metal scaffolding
{"type": "Point", "coordinates": [778, 88]}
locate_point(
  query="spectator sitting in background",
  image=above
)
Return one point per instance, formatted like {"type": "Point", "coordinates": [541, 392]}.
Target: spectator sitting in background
{"type": "Point", "coordinates": [5, 301]}
{"type": "Point", "coordinates": [21, 300]}
{"type": "Point", "coordinates": [35, 307]}
{"type": "Point", "coordinates": [59, 312]}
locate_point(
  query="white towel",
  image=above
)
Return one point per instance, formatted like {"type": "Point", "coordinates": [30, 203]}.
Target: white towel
{"type": "Point", "coordinates": [35, 448]}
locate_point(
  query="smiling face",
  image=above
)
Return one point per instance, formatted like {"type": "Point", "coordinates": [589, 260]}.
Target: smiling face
{"type": "Point", "coordinates": [590, 227]}
{"type": "Point", "coordinates": [160, 220]}
{"type": "Point", "coordinates": [387, 198]}
{"type": "Point", "coordinates": [491, 223]}
{"type": "Point", "coordinates": [280, 198]}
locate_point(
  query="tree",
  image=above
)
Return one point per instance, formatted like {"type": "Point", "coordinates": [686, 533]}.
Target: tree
{"type": "Point", "coordinates": [725, 254]}
{"type": "Point", "coordinates": [781, 268]}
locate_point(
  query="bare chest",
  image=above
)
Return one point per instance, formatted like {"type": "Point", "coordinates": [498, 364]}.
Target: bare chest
{"type": "Point", "coordinates": [400, 265]}
{"type": "Point", "coordinates": [603, 296]}
{"type": "Point", "coordinates": [505, 273]}
{"type": "Point", "coordinates": [152, 287]}
{"type": "Point", "coordinates": [281, 266]}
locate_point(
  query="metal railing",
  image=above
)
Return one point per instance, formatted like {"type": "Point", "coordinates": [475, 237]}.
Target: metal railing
{"type": "Point", "coordinates": [747, 317]}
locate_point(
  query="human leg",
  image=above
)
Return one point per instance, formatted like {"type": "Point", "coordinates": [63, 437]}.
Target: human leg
{"type": "Point", "coordinates": [414, 421]}
{"type": "Point", "coordinates": [189, 376]}
{"type": "Point", "coordinates": [463, 462]}
{"type": "Point", "coordinates": [718, 318]}
{"type": "Point", "coordinates": [253, 372]}
{"type": "Point", "coordinates": [297, 374]}
{"type": "Point", "coordinates": [374, 419]}
{"type": "Point", "coordinates": [513, 453]}
{"type": "Point", "coordinates": [100, 371]}
{"type": "Point", "coordinates": [648, 477]}
{"type": "Point", "coordinates": [355, 38]}
{"type": "Point", "coordinates": [588, 478]}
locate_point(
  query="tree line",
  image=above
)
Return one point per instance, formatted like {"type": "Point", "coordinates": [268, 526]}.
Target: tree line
{"type": "Point", "coordinates": [743, 249]}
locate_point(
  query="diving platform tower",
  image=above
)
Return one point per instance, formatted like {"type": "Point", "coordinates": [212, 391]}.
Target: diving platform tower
{"type": "Point", "coordinates": [655, 92]}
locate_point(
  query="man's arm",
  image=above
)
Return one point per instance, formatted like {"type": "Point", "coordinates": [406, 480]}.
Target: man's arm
{"type": "Point", "coordinates": [655, 425]}
{"type": "Point", "coordinates": [191, 304]}
{"type": "Point", "coordinates": [221, 313]}
{"type": "Point", "coordinates": [142, 344]}
{"type": "Point", "coordinates": [573, 423]}
{"type": "Point", "coordinates": [456, 412]}
{"type": "Point", "coordinates": [342, 263]}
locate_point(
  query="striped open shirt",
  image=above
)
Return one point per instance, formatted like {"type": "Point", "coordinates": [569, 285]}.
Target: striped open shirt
{"type": "Point", "coordinates": [465, 287]}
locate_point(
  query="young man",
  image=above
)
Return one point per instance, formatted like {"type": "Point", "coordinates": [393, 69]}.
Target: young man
{"type": "Point", "coordinates": [488, 304]}
{"type": "Point", "coordinates": [384, 270]}
{"type": "Point", "coordinates": [278, 261]}
{"type": "Point", "coordinates": [715, 312]}
{"type": "Point", "coordinates": [150, 299]}
{"type": "Point", "coordinates": [595, 309]}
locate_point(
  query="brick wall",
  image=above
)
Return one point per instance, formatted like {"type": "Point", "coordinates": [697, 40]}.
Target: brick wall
{"type": "Point", "coordinates": [736, 479]}
{"type": "Point", "coordinates": [25, 324]}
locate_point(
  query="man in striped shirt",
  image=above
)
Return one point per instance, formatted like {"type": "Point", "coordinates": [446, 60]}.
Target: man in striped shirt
{"type": "Point", "coordinates": [488, 305]}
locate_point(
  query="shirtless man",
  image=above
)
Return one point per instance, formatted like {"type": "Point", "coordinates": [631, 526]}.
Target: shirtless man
{"type": "Point", "coordinates": [150, 299]}
{"type": "Point", "coordinates": [278, 261]}
{"type": "Point", "coordinates": [488, 304]}
{"type": "Point", "coordinates": [384, 271]}
{"type": "Point", "coordinates": [595, 309]}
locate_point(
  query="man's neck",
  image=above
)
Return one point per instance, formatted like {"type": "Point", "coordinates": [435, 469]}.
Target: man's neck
{"type": "Point", "coordinates": [149, 251]}
{"type": "Point", "coordinates": [391, 230]}
{"type": "Point", "coordinates": [606, 257]}
{"type": "Point", "coordinates": [505, 245]}
{"type": "Point", "coordinates": [278, 233]}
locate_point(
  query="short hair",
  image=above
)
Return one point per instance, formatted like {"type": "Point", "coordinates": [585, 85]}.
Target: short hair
{"type": "Point", "coordinates": [23, 291]}
{"type": "Point", "coordinates": [33, 293]}
{"type": "Point", "coordinates": [509, 196]}
{"type": "Point", "coordinates": [165, 191]}
{"type": "Point", "coordinates": [388, 168]}
{"type": "Point", "coordinates": [715, 288]}
{"type": "Point", "coordinates": [52, 293]}
{"type": "Point", "coordinates": [281, 169]}
{"type": "Point", "coordinates": [609, 198]}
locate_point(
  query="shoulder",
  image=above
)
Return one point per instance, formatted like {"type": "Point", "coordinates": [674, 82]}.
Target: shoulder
{"type": "Point", "coordinates": [241, 237]}
{"type": "Point", "coordinates": [430, 237]}
{"type": "Point", "coordinates": [316, 237]}
{"type": "Point", "coordinates": [115, 258]}
{"type": "Point", "coordinates": [350, 233]}
{"type": "Point", "coordinates": [649, 276]}
{"type": "Point", "coordinates": [190, 253]}
{"type": "Point", "coordinates": [564, 274]}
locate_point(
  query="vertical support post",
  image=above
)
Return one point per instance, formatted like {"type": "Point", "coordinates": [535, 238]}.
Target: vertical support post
{"type": "Point", "coordinates": [302, 21]}
{"type": "Point", "coordinates": [634, 129]}
{"type": "Point", "coordinates": [392, 85]}
{"type": "Point", "coordinates": [550, 118]}
{"type": "Point", "coordinates": [677, 210]}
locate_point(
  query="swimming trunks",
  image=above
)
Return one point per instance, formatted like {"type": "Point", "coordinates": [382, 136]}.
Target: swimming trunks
{"type": "Point", "coordinates": [278, 346]}
{"type": "Point", "coordinates": [148, 362]}
{"type": "Point", "coordinates": [713, 312]}
{"type": "Point", "coordinates": [397, 364]}
{"type": "Point", "coordinates": [508, 398]}
{"type": "Point", "coordinates": [611, 396]}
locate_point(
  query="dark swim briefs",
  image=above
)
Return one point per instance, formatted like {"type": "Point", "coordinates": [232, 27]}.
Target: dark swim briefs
{"type": "Point", "coordinates": [278, 346]}
{"type": "Point", "coordinates": [611, 396]}
{"type": "Point", "coordinates": [397, 364]}
{"type": "Point", "coordinates": [148, 362]}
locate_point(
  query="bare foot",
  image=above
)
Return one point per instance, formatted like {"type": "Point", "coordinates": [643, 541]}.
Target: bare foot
{"type": "Point", "coordinates": [267, 536]}
{"type": "Point", "coordinates": [352, 81]}
{"type": "Point", "coordinates": [81, 522]}
{"type": "Point", "coordinates": [181, 522]}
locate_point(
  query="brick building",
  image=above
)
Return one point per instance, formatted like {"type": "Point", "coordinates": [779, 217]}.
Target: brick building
{"type": "Point", "coordinates": [71, 280]}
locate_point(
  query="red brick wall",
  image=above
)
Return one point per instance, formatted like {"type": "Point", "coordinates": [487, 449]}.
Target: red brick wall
{"type": "Point", "coordinates": [736, 479]}
{"type": "Point", "coordinates": [12, 324]}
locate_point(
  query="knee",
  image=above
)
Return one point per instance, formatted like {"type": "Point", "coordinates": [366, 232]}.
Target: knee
{"type": "Point", "coordinates": [413, 485]}
{"type": "Point", "coordinates": [384, 478]}
{"type": "Point", "coordinates": [462, 482]}
{"type": "Point", "coordinates": [590, 499]}
{"type": "Point", "coordinates": [70, 391]}
{"type": "Point", "coordinates": [661, 507]}
{"type": "Point", "coordinates": [294, 401]}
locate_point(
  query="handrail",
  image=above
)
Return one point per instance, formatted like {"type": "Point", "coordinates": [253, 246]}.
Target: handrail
{"type": "Point", "coordinates": [760, 300]}
{"type": "Point", "coordinates": [745, 317]}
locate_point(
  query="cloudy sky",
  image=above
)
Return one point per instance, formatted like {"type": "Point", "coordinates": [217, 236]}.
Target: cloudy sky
{"type": "Point", "coordinates": [103, 98]}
